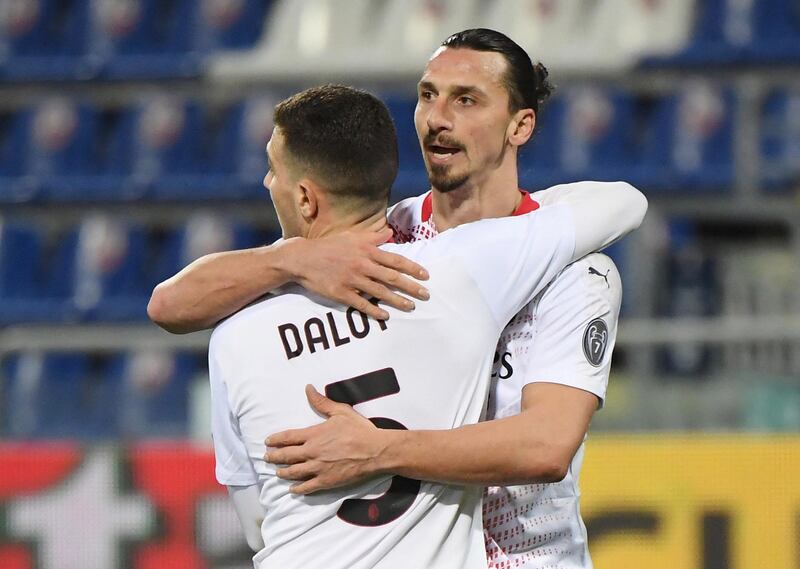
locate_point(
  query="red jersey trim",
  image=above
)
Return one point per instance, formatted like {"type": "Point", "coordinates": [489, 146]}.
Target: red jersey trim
{"type": "Point", "coordinates": [527, 205]}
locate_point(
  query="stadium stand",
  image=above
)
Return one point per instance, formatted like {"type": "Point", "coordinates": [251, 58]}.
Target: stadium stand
{"type": "Point", "coordinates": [150, 145]}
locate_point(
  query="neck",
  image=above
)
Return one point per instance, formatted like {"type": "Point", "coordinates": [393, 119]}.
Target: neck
{"type": "Point", "coordinates": [323, 227]}
{"type": "Point", "coordinates": [496, 195]}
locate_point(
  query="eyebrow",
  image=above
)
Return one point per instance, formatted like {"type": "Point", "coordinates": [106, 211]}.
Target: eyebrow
{"type": "Point", "coordinates": [458, 90]}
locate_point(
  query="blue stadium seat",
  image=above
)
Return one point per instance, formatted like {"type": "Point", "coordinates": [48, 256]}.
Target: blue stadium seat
{"type": "Point", "coordinates": [230, 24]}
{"type": "Point", "coordinates": [776, 31]}
{"type": "Point", "coordinates": [201, 235]}
{"type": "Point", "coordinates": [48, 39]}
{"type": "Point", "coordinates": [780, 140]}
{"type": "Point", "coordinates": [721, 35]}
{"type": "Point", "coordinates": [15, 184]}
{"type": "Point", "coordinates": [21, 275]}
{"type": "Point", "coordinates": [62, 395]}
{"type": "Point", "coordinates": [586, 134]}
{"type": "Point", "coordinates": [156, 392]}
{"type": "Point", "coordinates": [105, 273]}
{"type": "Point", "coordinates": [78, 152]}
{"type": "Point", "coordinates": [412, 179]}
{"type": "Point", "coordinates": [689, 145]}
{"type": "Point", "coordinates": [691, 282]}
{"type": "Point", "coordinates": [145, 38]}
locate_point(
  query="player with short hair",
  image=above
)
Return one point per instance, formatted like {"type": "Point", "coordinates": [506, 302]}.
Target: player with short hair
{"type": "Point", "coordinates": [428, 369]}
{"type": "Point", "coordinates": [552, 363]}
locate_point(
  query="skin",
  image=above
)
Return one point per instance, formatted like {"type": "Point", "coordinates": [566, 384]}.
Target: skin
{"type": "Point", "coordinates": [469, 138]}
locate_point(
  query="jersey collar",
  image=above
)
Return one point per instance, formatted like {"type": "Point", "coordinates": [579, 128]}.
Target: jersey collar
{"type": "Point", "coordinates": [526, 205]}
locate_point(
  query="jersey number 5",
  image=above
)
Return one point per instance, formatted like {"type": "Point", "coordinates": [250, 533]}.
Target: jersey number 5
{"type": "Point", "coordinates": [403, 491]}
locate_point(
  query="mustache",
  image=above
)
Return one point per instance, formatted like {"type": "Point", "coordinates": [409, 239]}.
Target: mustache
{"type": "Point", "coordinates": [439, 140]}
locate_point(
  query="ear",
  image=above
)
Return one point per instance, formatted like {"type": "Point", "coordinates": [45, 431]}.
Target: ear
{"type": "Point", "coordinates": [520, 129]}
{"type": "Point", "coordinates": [308, 196]}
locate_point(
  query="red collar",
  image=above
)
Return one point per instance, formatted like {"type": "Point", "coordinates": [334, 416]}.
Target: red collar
{"type": "Point", "coordinates": [526, 205]}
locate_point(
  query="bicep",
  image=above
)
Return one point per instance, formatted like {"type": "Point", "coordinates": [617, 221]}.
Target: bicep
{"type": "Point", "coordinates": [562, 414]}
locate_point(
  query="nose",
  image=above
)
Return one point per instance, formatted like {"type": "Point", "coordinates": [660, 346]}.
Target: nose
{"type": "Point", "coordinates": [265, 181]}
{"type": "Point", "coordinates": [439, 117]}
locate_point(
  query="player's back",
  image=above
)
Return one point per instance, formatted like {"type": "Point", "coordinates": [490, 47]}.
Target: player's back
{"type": "Point", "coordinates": [425, 370]}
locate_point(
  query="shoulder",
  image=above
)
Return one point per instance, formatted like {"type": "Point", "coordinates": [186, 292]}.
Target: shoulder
{"type": "Point", "coordinates": [255, 314]}
{"type": "Point", "coordinates": [592, 278]}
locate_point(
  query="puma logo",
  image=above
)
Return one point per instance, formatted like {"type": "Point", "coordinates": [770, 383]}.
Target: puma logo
{"type": "Point", "coordinates": [593, 271]}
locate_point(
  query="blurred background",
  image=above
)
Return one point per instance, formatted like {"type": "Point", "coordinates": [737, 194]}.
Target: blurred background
{"type": "Point", "coordinates": [132, 138]}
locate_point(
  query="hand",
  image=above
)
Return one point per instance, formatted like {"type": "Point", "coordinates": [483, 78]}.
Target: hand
{"type": "Point", "coordinates": [342, 450]}
{"type": "Point", "coordinates": [343, 266]}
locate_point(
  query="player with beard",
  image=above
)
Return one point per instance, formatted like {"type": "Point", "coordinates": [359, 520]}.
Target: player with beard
{"type": "Point", "coordinates": [478, 101]}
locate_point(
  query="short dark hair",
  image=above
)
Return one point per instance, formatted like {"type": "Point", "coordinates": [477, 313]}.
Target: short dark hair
{"type": "Point", "coordinates": [527, 84]}
{"type": "Point", "coordinates": [343, 136]}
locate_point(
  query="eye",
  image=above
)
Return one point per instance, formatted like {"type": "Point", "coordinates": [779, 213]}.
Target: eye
{"type": "Point", "coordinates": [426, 95]}
{"type": "Point", "coordinates": [465, 100]}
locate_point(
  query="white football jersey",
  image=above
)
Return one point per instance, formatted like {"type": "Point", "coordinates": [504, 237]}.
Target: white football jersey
{"type": "Point", "coordinates": [565, 335]}
{"type": "Point", "coordinates": [429, 369]}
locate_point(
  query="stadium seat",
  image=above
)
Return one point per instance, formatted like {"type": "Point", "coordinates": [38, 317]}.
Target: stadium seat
{"type": "Point", "coordinates": [202, 234]}
{"type": "Point", "coordinates": [412, 179]}
{"type": "Point", "coordinates": [776, 31]}
{"type": "Point", "coordinates": [21, 279]}
{"type": "Point", "coordinates": [145, 38]}
{"type": "Point", "coordinates": [155, 399]}
{"type": "Point", "coordinates": [302, 38]}
{"type": "Point", "coordinates": [108, 272]}
{"type": "Point", "coordinates": [780, 140]}
{"type": "Point", "coordinates": [254, 129]}
{"type": "Point", "coordinates": [48, 39]}
{"type": "Point", "coordinates": [62, 395]}
{"type": "Point", "coordinates": [689, 145]}
{"type": "Point", "coordinates": [230, 24]}
{"type": "Point", "coordinates": [79, 152]}
{"type": "Point", "coordinates": [722, 34]}
{"type": "Point", "coordinates": [15, 183]}
{"type": "Point", "coordinates": [407, 32]}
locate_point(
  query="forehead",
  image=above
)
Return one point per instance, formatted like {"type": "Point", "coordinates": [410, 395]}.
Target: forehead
{"type": "Point", "coordinates": [275, 145]}
{"type": "Point", "coordinates": [465, 66]}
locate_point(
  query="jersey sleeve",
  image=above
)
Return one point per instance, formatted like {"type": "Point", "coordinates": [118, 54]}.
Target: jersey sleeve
{"type": "Point", "coordinates": [233, 466]}
{"type": "Point", "coordinates": [513, 258]}
{"type": "Point", "coordinates": [576, 327]}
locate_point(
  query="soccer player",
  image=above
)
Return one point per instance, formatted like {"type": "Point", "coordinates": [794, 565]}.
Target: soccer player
{"type": "Point", "coordinates": [478, 104]}
{"type": "Point", "coordinates": [332, 160]}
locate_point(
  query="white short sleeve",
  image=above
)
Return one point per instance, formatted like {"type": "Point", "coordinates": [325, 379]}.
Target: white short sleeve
{"type": "Point", "coordinates": [233, 463]}
{"type": "Point", "coordinates": [576, 326]}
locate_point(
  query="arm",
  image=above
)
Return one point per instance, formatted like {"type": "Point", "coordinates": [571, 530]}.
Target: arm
{"type": "Point", "coordinates": [536, 445]}
{"type": "Point", "coordinates": [603, 212]}
{"type": "Point", "coordinates": [340, 268]}
{"type": "Point", "coordinates": [560, 388]}
{"type": "Point", "coordinates": [250, 513]}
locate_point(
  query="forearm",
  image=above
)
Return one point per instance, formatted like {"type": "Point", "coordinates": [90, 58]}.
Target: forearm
{"type": "Point", "coordinates": [603, 211]}
{"type": "Point", "coordinates": [216, 286]}
{"type": "Point", "coordinates": [499, 452]}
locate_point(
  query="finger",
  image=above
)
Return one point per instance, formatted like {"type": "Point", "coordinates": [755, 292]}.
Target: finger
{"type": "Point", "coordinates": [383, 294]}
{"type": "Point", "coordinates": [289, 438]}
{"type": "Point", "coordinates": [304, 471]}
{"type": "Point", "coordinates": [394, 279]}
{"type": "Point", "coordinates": [355, 300]}
{"type": "Point", "coordinates": [322, 404]}
{"type": "Point", "coordinates": [401, 264]}
{"type": "Point", "coordinates": [287, 455]}
{"type": "Point", "coordinates": [308, 487]}
{"type": "Point", "coordinates": [382, 236]}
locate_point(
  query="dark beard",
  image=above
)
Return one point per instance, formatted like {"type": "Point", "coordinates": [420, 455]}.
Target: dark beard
{"type": "Point", "coordinates": [439, 179]}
